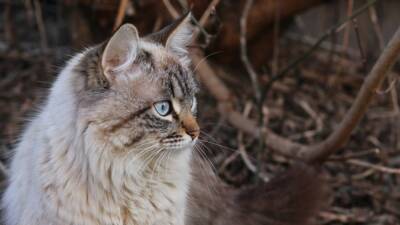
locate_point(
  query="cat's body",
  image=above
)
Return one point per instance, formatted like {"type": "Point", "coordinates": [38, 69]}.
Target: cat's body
{"type": "Point", "coordinates": [93, 154]}
{"type": "Point", "coordinates": [113, 146]}
{"type": "Point", "coordinates": [55, 182]}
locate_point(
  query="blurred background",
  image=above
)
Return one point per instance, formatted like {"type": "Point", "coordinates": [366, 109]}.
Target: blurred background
{"type": "Point", "coordinates": [308, 58]}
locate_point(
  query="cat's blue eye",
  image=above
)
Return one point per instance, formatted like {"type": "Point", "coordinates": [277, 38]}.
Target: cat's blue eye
{"type": "Point", "coordinates": [163, 108]}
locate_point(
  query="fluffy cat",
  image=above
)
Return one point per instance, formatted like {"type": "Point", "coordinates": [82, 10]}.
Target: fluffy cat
{"type": "Point", "coordinates": [113, 146]}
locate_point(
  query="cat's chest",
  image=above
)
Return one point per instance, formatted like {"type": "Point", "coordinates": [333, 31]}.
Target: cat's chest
{"type": "Point", "coordinates": [161, 204]}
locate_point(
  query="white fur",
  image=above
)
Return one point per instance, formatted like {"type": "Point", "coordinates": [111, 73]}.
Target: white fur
{"type": "Point", "coordinates": [60, 173]}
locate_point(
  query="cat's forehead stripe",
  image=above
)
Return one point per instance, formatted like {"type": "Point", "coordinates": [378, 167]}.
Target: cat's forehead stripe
{"type": "Point", "coordinates": [176, 74]}
{"type": "Point", "coordinates": [178, 85]}
{"type": "Point", "coordinates": [175, 88]}
{"type": "Point", "coordinates": [183, 76]}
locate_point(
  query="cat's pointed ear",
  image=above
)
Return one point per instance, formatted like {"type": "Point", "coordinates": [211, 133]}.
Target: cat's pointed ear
{"type": "Point", "coordinates": [120, 51]}
{"type": "Point", "coordinates": [176, 36]}
{"type": "Point", "coordinates": [180, 37]}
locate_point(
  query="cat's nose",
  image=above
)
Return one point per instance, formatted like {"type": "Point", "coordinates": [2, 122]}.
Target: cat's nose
{"type": "Point", "coordinates": [189, 124]}
{"type": "Point", "coordinates": [193, 133]}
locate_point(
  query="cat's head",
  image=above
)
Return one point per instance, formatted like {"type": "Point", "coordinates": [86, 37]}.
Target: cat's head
{"type": "Point", "coordinates": [140, 92]}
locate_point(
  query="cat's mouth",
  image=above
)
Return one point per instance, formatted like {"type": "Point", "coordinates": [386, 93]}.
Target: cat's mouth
{"type": "Point", "coordinates": [177, 141]}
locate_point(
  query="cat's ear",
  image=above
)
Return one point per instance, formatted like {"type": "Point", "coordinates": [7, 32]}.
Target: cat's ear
{"type": "Point", "coordinates": [120, 51]}
{"type": "Point", "coordinates": [180, 37]}
{"type": "Point", "coordinates": [176, 36]}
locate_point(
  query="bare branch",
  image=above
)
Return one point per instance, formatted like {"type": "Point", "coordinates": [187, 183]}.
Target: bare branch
{"type": "Point", "coordinates": [360, 47]}
{"type": "Point", "coordinates": [207, 13]}
{"type": "Point", "coordinates": [293, 64]}
{"type": "Point", "coordinates": [172, 11]}
{"type": "Point", "coordinates": [340, 136]}
{"type": "Point", "coordinates": [218, 89]}
{"type": "Point", "coordinates": [121, 13]}
{"type": "Point", "coordinates": [379, 168]}
{"type": "Point", "coordinates": [40, 23]}
{"type": "Point", "coordinates": [319, 152]}
{"type": "Point", "coordinates": [243, 51]}
{"type": "Point", "coordinates": [243, 153]}
{"type": "Point", "coordinates": [346, 33]}
{"type": "Point", "coordinates": [377, 28]}
{"type": "Point", "coordinates": [204, 18]}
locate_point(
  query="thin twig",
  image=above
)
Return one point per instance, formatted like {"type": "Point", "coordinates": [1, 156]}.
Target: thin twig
{"type": "Point", "coordinates": [309, 52]}
{"type": "Point", "coordinates": [360, 47]}
{"type": "Point", "coordinates": [379, 34]}
{"type": "Point", "coordinates": [41, 27]}
{"type": "Point", "coordinates": [253, 168]}
{"type": "Point", "coordinates": [379, 168]}
{"type": "Point", "coordinates": [205, 16]}
{"type": "Point", "coordinates": [184, 4]}
{"type": "Point", "coordinates": [228, 160]}
{"type": "Point", "coordinates": [241, 146]}
{"type": "Point", "coordinates": [377, 28]}
{"type": "Point", "coordinates": [275, 61]}
{"type": "Point", "coordinates": [29, 11]}
{"type": "Point", "coordinates": [243, 153]}
{"type": "Point", "coordinates": [210, 8]}
{"type": "Point", "coordinates": [123, 4]}
{"type": "Point", "coordinates": [391, 86]}
{"type": "Point", "coordinates": [339, 137]}
{"type": "Point", "coordinates": [342, 217]}
{"type": "Point", "coordinates": [393, 93]}
{"type": "Point", "coordinates": [200, 23]}
{"type": "Point", "coordinates": [9, 34]}
{"type": "Point", "coordinates": [157, 24]}
{"type": "Point", "coordinates": [318, 152]}
{"type": "Point", "coordinates": [243, 50]}
{"type": "Point", "coordinates": [325, 45]}
{"type": "Point", "coordinates": [172, 11]}
{"type": "Point", "coordinates": [254, 81]}
{"type": "Point", "coordinates": [201, 30]}
{"type": "Point", "coordinates": [374, 151]}
{"type": "Point", "coordinates": [346, 33]}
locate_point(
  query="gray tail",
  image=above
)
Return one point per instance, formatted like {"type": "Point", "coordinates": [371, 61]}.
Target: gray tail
{"type": "Point", "coordinates": [292, 198]}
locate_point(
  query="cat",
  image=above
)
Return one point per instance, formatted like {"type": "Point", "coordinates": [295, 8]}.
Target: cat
{"type": "Point", "coordinates": [113, 145]}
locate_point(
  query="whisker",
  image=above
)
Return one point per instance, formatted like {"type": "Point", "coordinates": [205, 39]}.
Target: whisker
{"type": "Point", "coordinates": [207, 135]}
{"type": "Point", "coordinates": [219, 145]}
{"type": "Point", "coordinates": [204, 58]}
{"type": "Point", "coordinates": [204, 156]}
{"type": "Point", "coordinates": [157, 163]}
